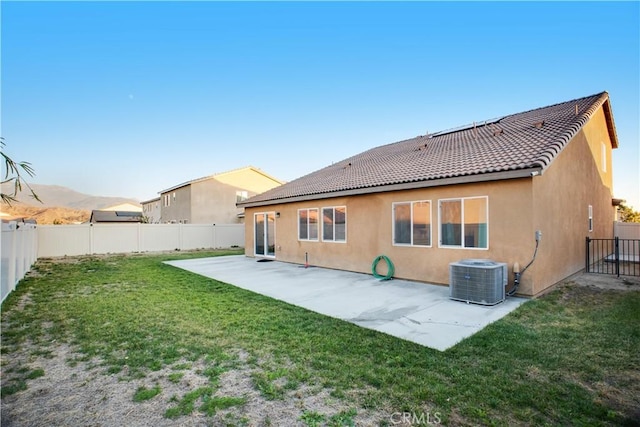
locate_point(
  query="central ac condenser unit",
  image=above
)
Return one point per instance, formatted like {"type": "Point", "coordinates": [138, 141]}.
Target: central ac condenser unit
{"type": "Point", "coordinates": [480, 281]}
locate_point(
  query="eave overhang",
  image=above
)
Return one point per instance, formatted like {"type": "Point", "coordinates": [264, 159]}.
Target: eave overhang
{"type": "Point", "coordinates": [468, 179]}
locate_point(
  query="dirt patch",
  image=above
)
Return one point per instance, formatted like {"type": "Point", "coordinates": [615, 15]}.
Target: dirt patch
{"type": "Point", "coordinates": [83, 394]}
{"type": "Point", "coordinates": [606, 282]}
{"type": "Point", "coordinates": [24, 301]}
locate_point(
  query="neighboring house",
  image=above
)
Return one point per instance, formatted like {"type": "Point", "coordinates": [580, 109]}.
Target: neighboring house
{"type": "Point", "coordinates": [212, 199]}
{"type": "Point", "coordinates": [124, 207]}
{"type": "Point", "coordinates": [151, 210]}
{"type": "Point", "coordinates": [103, 216]}
{"type": "Point", "coordinates": [478, 191]}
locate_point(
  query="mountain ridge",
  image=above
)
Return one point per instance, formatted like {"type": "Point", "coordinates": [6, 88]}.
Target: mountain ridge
{"type": "Point", "coordinates": [64, 197]}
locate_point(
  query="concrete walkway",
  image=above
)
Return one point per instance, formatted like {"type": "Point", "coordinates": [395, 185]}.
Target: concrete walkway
{"type": "Point", "coordinates": [416, 312]}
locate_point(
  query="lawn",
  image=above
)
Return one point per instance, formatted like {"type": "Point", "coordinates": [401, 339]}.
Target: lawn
{"type": "Point", "coordinates": [184, 347]}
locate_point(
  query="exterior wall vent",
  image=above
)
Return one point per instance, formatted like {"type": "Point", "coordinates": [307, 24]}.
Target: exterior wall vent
{"type": "Point", "coordinates": [478, 281]}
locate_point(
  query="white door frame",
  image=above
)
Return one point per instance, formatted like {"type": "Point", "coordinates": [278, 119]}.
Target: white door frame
{"type": "Point", "coordinates": [267, 239]}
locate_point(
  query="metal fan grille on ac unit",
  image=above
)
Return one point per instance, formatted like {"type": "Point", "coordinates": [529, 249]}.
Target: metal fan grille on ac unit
{"type": "Point", "coordinates": [478, 281]}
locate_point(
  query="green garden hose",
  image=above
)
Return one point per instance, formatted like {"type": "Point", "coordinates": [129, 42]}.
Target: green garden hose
{"type": "Point", "coordinates": [390, 268]}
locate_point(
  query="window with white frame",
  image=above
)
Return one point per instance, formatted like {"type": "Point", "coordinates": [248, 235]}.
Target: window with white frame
{"type": "Point", "coordinates": [308, 224]}
{"type": "Point", "coordinates": [241, 196]}
{"type": "Point", "coordinates": [590, 213]}
{"type": "Point", "coordinates": [603, 156]}
{"type": "Point", "coordinates": [334, 224]}
{"type": "Point", "coordinates": [412, 223]}
{"type": "Point", "coordinates": [167, 200]}
{"type": "Point", "coordinates": [464, 222]}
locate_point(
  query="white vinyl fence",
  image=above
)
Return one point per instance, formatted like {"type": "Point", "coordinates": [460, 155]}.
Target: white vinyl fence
{"type": "Point", "coordinates": [86, 239]}
{"type": "Point", "coordinates": [19, 245]}
{"type": "Point", "coordinates": [626, 230]}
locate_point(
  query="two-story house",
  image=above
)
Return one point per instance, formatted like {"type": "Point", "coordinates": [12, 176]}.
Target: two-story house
{"type": "Point", "coordinates": [212, 199]}
{"type": "Point", "coordinates": [151, 210]}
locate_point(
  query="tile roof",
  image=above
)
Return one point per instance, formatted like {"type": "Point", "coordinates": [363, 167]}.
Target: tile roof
{"type": "Point", "coordinates": [115, 216]}
{"type": "Point", "coordinates": [511, 146]}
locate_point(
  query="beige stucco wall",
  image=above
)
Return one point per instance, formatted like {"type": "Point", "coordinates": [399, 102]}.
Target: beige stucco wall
{"type": "Point", "coordinates": [180, 207]}
{"type": "Point", "coordinates": [555, 203]}
{"type": "Point", "coordinates": [151, 209]}
{"type": "Point", "coordinates": [214, 200]}
{"type": "Point", "coordinates": [248, 179]}
{"type": "Point", "coordinates": [562, 195]}
{"type": "Point", "coordinates": [369, 231]}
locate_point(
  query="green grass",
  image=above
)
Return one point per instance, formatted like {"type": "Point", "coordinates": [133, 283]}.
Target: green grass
{"type": "Point", "coordinates": [210, 405]}
{"type": "Point", "coordinates": [571, 357]}
{"type": "Point", "coordinates": [186, 405]}
{"type": "Point", "coordinates": [18, 379]}
{"type": "Point", "coordinates": [175, 377]}
{"type": "Point", "coordinates": [144, 393]}
{"type": "Point", "coordinates": [36, 373]}
{"type": "Point", "coordinates": [312, 418]}
{"type": "Point", "coordinates": [343, 419]}
{"type": "Point", "coordinates": [13, 387]}
{"type": "Point", "coordinates": [316, 419]}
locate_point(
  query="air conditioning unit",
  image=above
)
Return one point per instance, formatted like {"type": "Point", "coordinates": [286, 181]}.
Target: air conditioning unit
{"type": "Point", "coordinates": [480, 281]}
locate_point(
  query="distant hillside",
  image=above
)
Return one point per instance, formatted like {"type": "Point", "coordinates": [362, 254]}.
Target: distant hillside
{"type": "Point", "coordinates": [47, 215]}
{"type": "Point", "coordinates": [57, 196]}
{"type": "Point", "coordinates": [60, 205]}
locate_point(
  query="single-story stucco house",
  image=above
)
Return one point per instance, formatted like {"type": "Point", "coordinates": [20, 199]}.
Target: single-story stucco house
{"type": "Point", "coordinates": [478, 191]}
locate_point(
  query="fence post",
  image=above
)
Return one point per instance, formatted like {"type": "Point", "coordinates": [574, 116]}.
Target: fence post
{"type": "Point", "coordinates": [616, 242]}
{"type": "Point", "coordinates": [34, 244]}
{"type": "Point", "coordinates": [20, 242]}
{"type": "Point", "coordinates": [12, 257]}
{"type": "Point", "coordinates": [91, 238]}
{"type": "Point", "coordinates": [586, 261]}
{"type": "Point", "coordinates": [26, 248]}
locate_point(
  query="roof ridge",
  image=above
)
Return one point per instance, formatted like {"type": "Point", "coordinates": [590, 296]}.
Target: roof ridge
{"type": "Point", "coordinates": [497, 119]}
{"type": "Point", "coordinates": [555, 105]}
{"type": "Point", "coordinates": [563, 139]}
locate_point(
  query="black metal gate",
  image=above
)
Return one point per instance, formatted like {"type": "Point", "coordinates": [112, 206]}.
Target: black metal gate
{"type": "Point", "coordinates": [613, 256]}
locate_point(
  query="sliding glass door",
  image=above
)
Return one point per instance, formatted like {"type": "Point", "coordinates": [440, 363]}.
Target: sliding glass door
{"type": "Point", "coordinates": [265, 234]}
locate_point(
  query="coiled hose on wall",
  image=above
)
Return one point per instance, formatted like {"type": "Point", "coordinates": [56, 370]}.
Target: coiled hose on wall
{"type": "Point", "coordinates": [390, 268]}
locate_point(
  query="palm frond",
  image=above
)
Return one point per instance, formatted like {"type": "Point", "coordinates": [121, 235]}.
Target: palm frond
{"type": "Point", "coordinates": [13, 173]}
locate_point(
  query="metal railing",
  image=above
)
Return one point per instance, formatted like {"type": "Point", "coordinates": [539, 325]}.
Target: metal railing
{"type": "Point", "coordinates": [613, 256]}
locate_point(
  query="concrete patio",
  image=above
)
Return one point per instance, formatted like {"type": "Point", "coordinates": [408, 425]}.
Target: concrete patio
{"type": "Point", "coordinates": [416, 312]}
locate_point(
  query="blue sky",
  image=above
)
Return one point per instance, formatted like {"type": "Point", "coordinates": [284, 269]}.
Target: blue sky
{"type": "Point", "coordinates": [126, 99]}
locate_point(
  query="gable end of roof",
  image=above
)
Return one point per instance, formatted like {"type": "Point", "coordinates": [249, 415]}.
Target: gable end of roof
{"type": "Point", "coordinates": [214, 176]}
{"type": "Point", "coordinates": [548, 155]}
